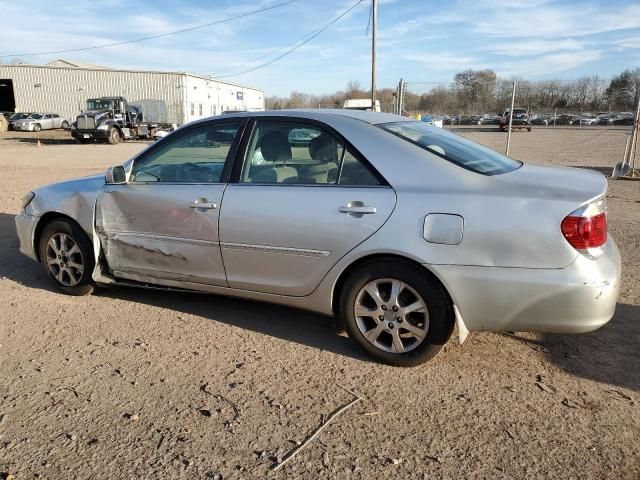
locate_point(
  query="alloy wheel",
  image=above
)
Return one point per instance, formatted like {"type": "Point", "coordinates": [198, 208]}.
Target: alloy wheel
{"type": "Point", "coordinates": [391, 315]}
{"type": "Point", "coordinates": [64, 259]}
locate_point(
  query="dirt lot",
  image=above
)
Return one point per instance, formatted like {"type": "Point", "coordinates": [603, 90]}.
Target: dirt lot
{"type": "Point", "coordinates": [143, 384]}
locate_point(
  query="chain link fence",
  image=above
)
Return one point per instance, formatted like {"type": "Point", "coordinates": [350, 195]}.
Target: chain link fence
{"type": "Point", "coordinates": [572, 123]}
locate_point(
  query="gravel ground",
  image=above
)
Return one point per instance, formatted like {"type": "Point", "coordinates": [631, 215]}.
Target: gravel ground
{"type": "Point", "coordinates": [144, 384]}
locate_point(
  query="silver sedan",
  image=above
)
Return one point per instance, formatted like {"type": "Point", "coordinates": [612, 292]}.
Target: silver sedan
{"type": "Point", "coordinates": [41, 121]}
{"type": "Point", "coordinates": [398, 229]}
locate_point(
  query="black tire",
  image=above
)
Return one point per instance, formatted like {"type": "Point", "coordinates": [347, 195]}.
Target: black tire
{"type": "Point", "coordinates": [439, 308]}
{"type": "Point", "coordinates": [114, 136]}
{"type": "Point", "coordinates": [85, 284]}
{"type": "Point", "coordinates": [528, 129]}
{"type": "Point", "coordinates": [37, 127]}
{"type": "Point", "coordinates": [64, 125]}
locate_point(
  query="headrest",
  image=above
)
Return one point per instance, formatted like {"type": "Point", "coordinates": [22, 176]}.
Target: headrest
{"type": "Point", "coordinates": [322, 148]}
{"type": "Point", "coordinates": [275, 147]}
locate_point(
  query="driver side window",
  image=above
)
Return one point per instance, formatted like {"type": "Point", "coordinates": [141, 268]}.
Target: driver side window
{"type": "Point", "coordinates": [196, 156]}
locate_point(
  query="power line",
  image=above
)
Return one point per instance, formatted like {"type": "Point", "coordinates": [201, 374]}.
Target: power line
{"type": "Point", "coordinates": [189, 29]}
{"type": "Point", "coordinates": [291, 50]}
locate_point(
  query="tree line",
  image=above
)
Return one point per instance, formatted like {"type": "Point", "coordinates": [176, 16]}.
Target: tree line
{"type": "Point", "coordinates": [482, 91]}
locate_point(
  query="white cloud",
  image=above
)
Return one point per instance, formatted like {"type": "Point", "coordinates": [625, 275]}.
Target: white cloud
{"type": "Point", "coordinates": [548, 65]}
{"type": "Point", "coordinates": [517, 48]}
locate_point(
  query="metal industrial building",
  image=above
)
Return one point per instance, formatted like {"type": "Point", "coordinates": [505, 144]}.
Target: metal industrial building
{"type": "Point", "coordinates": [63, 87]}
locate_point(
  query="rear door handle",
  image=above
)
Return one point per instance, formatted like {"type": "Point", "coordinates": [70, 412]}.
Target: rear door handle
{"type": "Point", "coordinates": [205, 205]}
{"type": "Point", "coordinates": [357, 209]}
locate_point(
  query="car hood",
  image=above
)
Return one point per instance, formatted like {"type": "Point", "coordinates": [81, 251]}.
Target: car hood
{"type": "Point", "coordinates": [75, 198]}
{"type": "Point", "coordinates": [93, 113]}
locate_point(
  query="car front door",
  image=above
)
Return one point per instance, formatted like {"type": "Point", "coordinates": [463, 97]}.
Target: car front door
{"type": "Point", "coordinates": [47, 122]}
{"type": "Point", "coordinates": [162, 225]}
{"type": "Point", "coordinates": [301, 200]}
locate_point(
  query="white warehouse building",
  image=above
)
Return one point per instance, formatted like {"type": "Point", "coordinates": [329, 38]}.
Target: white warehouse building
{"type": "Point", "coordinates": [63, 87]}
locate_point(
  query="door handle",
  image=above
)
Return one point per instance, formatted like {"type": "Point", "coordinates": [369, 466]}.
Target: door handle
{"type": "Point", "coordinates": [357, 209]}
{"type": "Point", "coordinates": [205, 205]}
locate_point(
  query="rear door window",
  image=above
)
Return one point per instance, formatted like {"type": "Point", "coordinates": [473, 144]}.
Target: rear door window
{"type": "Point", "coordinates": [289, 152]}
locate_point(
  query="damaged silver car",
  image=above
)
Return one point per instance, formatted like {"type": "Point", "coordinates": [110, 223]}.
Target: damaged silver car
{"type": "Point", "coordinates": [398, 229]}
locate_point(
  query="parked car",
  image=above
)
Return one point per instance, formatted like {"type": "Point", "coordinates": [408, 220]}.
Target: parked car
{"type": "Point", "coordinates": [41, 121]}
{"type": "Point", "coordinates": [564, 119]}
{"type": "Point", "coordinates": [466, 120]}
{"type": "Point", "coordinates": [604, 119]}
{"type": "Point", "coordinates": [540, 119]}
{"type": "Point", "coordinates": [489, 119]}
{"type": "Point", "coordinates": [14, 117]}
{"type": "Point", "coordinates": [399, 229]}
{"type": "Point", "coordinates": [520, 119]}
{"type": "Point", "coordinates": [623, 119]}
{"type": "Point", "coordinates": [435, 121]}
{"type": "Point", "coordinates": [586, 119]}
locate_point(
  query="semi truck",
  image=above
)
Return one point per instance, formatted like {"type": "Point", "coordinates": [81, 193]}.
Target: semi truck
{"type": "Point", "coordinates": [114, 119]}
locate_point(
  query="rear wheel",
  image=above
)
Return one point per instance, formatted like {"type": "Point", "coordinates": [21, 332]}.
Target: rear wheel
{"type": "Point", "coordinates": [396, 312]}
{"type": "Point", "coordinates": [67, 254]}
{"type": "Point", "coordinates": [114, 136]}
{"type": "Point", "coordinates": [64, 125]}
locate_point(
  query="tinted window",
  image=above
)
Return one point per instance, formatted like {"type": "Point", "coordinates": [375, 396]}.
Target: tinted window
{"type": "Point", "coordinates": [196, 156]}
{"type": "Point", "coordinates": [453, 148]}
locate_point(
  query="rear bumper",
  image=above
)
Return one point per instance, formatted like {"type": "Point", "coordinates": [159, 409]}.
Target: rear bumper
{"type": "Point", "coordinates": [25, 227]}
{"type": "Point", "coordinates": [576, 299]}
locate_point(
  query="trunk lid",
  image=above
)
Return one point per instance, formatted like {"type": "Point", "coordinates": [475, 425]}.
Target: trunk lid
{"type": "Point", "coordinates": [574, 185]}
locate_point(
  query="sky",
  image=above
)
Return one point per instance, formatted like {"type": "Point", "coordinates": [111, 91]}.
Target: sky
{"type": "Point", "coordinates": [418, 40]}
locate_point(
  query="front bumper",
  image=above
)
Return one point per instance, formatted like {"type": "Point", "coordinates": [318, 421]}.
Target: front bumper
{"type": "Point", "coordinates": [90, 134]}
{"type": "Point", "coordinates": [26, 227]}
{"type": "Point", "coordinates": [577, 299]}
{"type": "Point", "coordinates": [23, 128]}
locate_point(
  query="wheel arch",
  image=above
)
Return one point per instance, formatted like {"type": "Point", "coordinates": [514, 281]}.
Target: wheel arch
{"type": "Point", "coordinates": [45, 220]}
{"type": "Point", "coordinates": [376, 257]}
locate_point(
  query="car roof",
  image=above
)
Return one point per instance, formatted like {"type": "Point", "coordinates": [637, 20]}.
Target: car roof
{"type": "Point", "coordinates": [373, 118]}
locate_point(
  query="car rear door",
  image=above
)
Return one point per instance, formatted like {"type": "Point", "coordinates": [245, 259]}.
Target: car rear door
{"type": "Point", "coordinates": [47, 122]}
{"type": "Point", "coordinates": [301, 199]}
{"type": "Point", "coordinates": [162, 225]}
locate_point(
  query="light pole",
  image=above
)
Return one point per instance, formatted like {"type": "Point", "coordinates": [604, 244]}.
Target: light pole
{"type": "Point", "coordinates": [374, 24]}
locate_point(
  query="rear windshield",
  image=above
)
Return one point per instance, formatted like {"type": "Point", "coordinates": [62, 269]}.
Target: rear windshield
{"type": "Point", "coordinates": [453, 148]}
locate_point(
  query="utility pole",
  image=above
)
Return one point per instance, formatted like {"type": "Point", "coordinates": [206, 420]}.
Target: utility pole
{"type": "Point", "coordinates": [374, 25]}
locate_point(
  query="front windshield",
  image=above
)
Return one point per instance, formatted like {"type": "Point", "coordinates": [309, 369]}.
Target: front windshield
{"type": "Point", "coordinates": [99, 104]}
{"type": "Point", "coordinates": [453, 148]}
{"type": "Point", "coordinates": [19, 116]}
{"type": "Point", "coordinates": [35, 116]}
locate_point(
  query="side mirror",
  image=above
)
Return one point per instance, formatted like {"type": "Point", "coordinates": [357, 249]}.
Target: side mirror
{"type": "Point", "coordinates": [115, 175]}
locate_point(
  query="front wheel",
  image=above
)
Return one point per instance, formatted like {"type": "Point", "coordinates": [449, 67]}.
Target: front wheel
{"type": "Point", "coordinates": [67, 254]}
{"type": "Point", "coordinates": [37, 127]}
{"type": "Point", "coordinates": [114, 136]}
{"type": "Point", "coordinates": [396, 312]}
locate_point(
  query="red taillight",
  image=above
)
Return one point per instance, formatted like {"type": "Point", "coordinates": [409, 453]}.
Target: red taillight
{"type": "Point", "coordinates": [584, 232]}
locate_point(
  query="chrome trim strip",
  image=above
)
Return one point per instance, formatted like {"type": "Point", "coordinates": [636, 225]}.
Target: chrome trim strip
{"type": "Point", "coordinates": [163, 238]}
{"type": "Point", "coordinates": [271, 249]}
